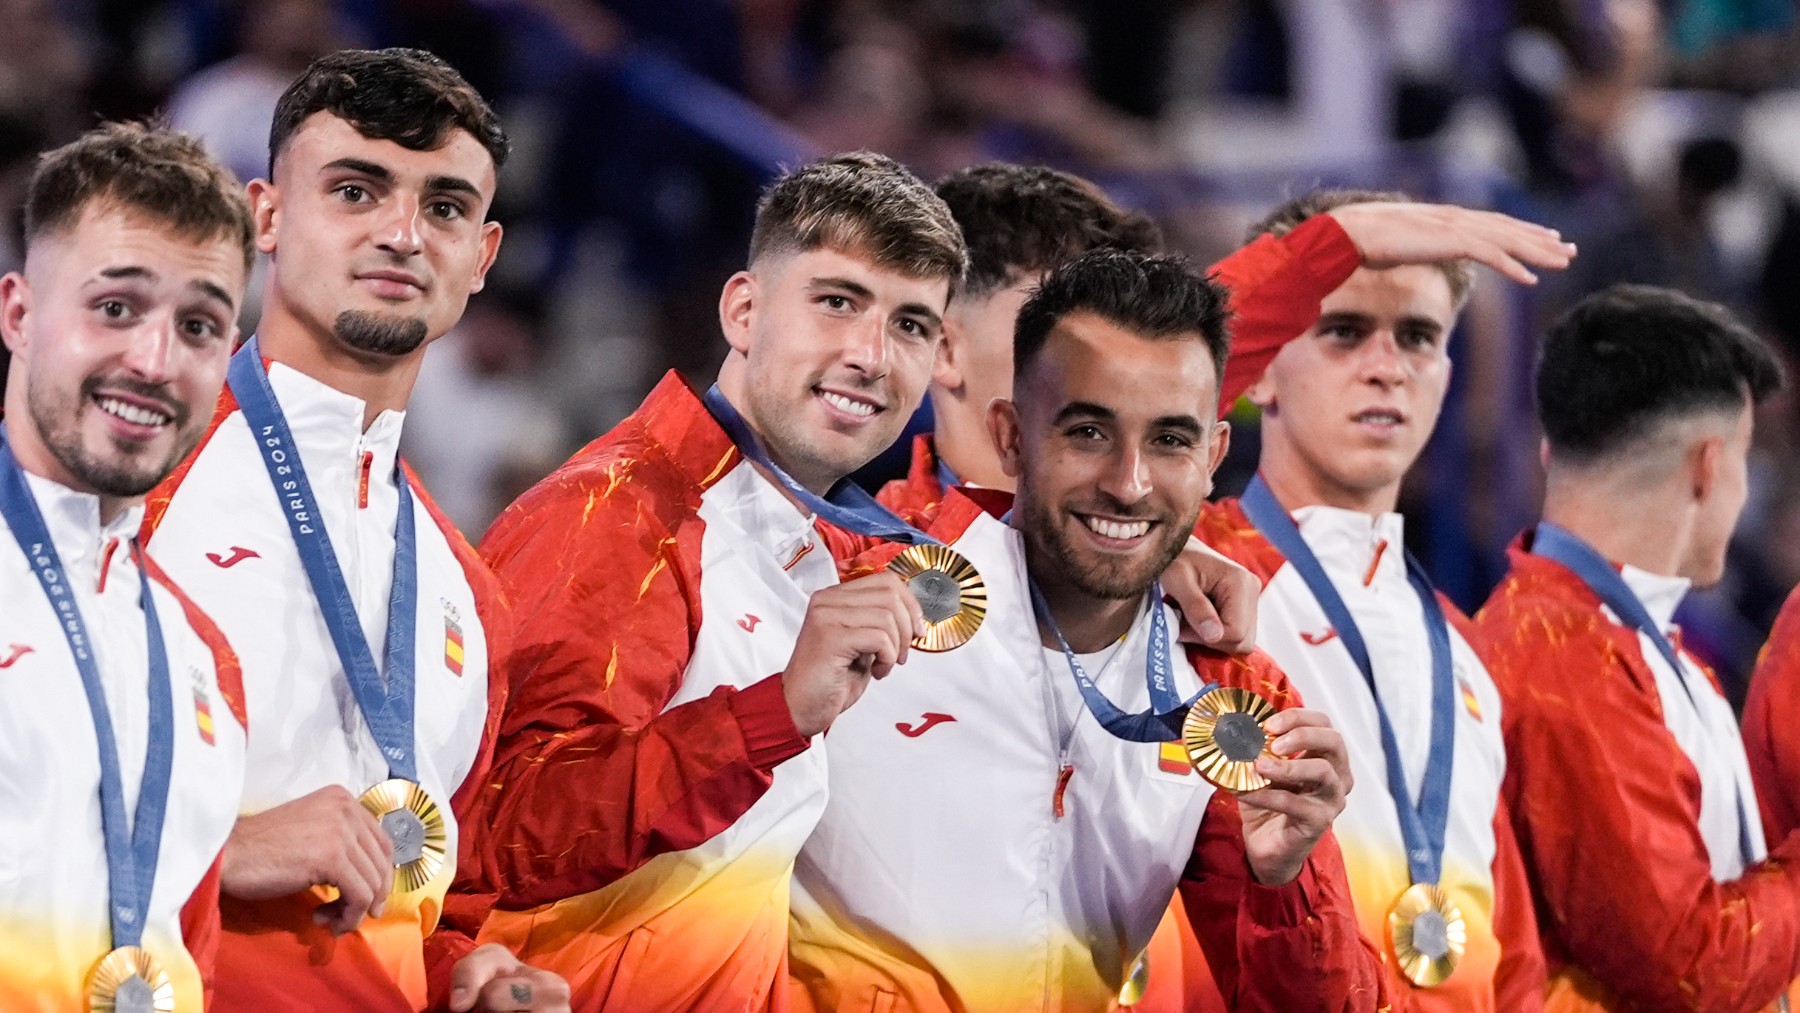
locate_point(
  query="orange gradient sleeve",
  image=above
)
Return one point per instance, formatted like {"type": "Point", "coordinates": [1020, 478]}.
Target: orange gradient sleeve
{"type": "Point", "coordinates": [592, 778]}
{"type": "Point", "coordinates": [1256, 937]}
{"type": "Point", "coordinates": [1769, 736]}
{"type": "Point", "coordinates": [1606, 809]}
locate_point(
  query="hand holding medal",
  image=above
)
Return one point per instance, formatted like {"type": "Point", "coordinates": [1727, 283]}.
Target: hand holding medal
{"type": "Point", "coordinates": [1306, 773]}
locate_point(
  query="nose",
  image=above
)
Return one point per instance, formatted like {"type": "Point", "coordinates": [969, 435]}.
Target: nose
{"type": "Point", "coordinates": [1127, 476]}
{"type": "Point", "coordinates": [398, 230]}
{"type": "Point", "coordinates": [151, 350]}
{"type": "Point", "coordinates": [1383, 364]}
{"type": "Point", "coordinates": [866, 348]}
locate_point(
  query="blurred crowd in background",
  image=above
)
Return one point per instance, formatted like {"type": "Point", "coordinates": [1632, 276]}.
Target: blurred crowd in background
{"type": "Point", "coordinates": [1662, 136]}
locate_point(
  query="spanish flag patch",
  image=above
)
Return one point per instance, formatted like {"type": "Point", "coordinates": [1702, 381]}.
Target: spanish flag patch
{"type": "Point", "coordinates": [1172, 758]}
{"type": "Point", "coordinates": [453, 646]}
{"type": "Point", "coordinates": [1469, 699]}
{"type": "Point", "coordinates": [203, 717]}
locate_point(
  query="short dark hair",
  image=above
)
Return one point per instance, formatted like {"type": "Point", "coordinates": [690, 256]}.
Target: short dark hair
{"type": "Point", "coordinates": [1632, 356]}
{"type": "Point", "coordinates": [1022, 220]}
{"type": "Point", "coordinates": [1152, 295]}
{"type": "Point", "coordinates": [866, 202]}
{"type": "Point", "coordinates": [1289, 216]}
{"type": "Point", "coordinates": [146, 169]}
{"type": "Point", "coordinates": [407, 96]}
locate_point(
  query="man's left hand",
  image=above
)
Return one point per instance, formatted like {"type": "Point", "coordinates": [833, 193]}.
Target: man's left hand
{"type": "Point", "coordinates": [1216, 598]}
{"type": "Point", "coordinates": [1308, 785]}
{"type": "Point", "coordinates": [491, 979]}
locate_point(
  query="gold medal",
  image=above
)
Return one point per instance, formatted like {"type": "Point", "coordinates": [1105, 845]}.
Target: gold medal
{"type": "Point", "coordinates": [1427, 934]}
{"type": "Point", "coordinates": [1137, 982]}
{"type": "Point", "coordinates": [1223, 733]}
{"type": "Point", "coordinates": [949, 591]}
{"type": "Point", "coordinates": [129, 980]}
{"type": "Point", "coordinates": [415, 828]}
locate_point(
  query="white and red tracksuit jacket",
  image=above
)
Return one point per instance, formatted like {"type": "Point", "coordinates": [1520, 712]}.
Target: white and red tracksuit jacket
{"type": "Point", "coordinates": [990, 847]}
{"type": "Point", "coordinates": [1502, 969]}
{"type": "Point", "coordinates": [54, 889]}
{"type": "Point", "coordinates": [650, 790]}
{"type": "Point", "coordinates": [219, 526]}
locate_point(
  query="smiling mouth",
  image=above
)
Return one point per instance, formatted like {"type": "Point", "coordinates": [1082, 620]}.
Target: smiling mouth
{"type": "Point", "coordinates": [137, 415]}
{"type": "Point", "coordinates": [1122, 531]}
{"type": "Point", "coordinates": [846, 404]}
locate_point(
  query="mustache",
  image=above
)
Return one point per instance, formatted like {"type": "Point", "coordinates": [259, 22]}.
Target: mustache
{"type": "Point", "coordinates": [160, 393]}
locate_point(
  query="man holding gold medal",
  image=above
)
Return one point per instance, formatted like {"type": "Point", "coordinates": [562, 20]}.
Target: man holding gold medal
{"type": "Point", "coordinates": [121, 707]}
{"type": "Point", "coordinates": [367, 626]}
{"type": "Point", "coordinates": [1355, 623]}
{"type": "Point", "coordinates": [1005, 830]}
{"type": "Point", "coordinates": [1627, 778]}
{"type": "Point", "coordinates": [1019, 221]}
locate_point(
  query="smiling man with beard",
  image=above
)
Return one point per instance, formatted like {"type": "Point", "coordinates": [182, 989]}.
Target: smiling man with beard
{"type": "Point", "coordinates": [1003, 833]}
{"type": "Point", "coordinates": [369, 630]}
{"type": "Point", "coordinates": [138, 247]}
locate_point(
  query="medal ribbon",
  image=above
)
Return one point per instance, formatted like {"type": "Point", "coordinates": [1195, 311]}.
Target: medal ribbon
{"type": "Point", "coordinates": [1422, 825]}
{"type": "Point", "coordinates": [847, 505]}
{"type": "Point", "coordinates": [387, 705]}
{"type": "Point", "coordinates": [1552, 542]}
{"type": "Point", "coordinates": [1162, 722]}
{"type": "Point", "coordinates": [130, 857]}
{"type": "Point", "coordinates": [946, 477]}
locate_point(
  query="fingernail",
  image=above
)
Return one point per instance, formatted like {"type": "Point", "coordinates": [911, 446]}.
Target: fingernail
{"type": "Point", "coordinates": [1211, 630]}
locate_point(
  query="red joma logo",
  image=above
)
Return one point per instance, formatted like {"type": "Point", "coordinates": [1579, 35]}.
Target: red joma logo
{"type": "Point", "coordinates": [1319, 639]}
{"type": "Point", "coordinates": [14, 653]}
{"type": "Point", "coordinates": [238, 555]}
{"type": "Point", "coordinates": [749, 622]}
{"type": "Point", "coordinates": [927, 721]}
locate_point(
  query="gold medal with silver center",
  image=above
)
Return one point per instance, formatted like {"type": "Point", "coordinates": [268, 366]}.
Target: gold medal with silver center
{"type": "Point", "coordinates": [949, 591]}
{"type": "Point", "coordinates": [1427, 934]}
{"type": "Point", "coordinates": [1223, 734]}
{"type": "Point", "coordinates": [415, 830]}
{"type": "Point", "coordinates": [130, 980]}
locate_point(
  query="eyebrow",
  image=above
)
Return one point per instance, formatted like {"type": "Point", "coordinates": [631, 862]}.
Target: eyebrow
{"type": "Point", "coordinates": [1367, 320]}
{"type": "Point", "coordinates": [861, 291]}
{"type": "Point", "coordinates": [361, 166]}
{"type": "Point", "coordinates": [1083, 410]}
{"type": "Point", "coordinates": [132, 272]}
{"type": "Point", "coordinates": [435, 184]}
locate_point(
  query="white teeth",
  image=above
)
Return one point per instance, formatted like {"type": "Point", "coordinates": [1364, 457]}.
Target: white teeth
{"type": "Point", "coordinates": [132, 413]}
{"type": "Point", "coordinates": [1115, 529]}
{"type": "Point", "coordinates": [1380, 418]}
{"type": "Point", "coordinates": [843, 403]}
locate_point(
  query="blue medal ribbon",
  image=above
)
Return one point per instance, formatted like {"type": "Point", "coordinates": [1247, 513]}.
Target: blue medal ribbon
{"type": "Point", "coordinates": [1162, 722]}
{"type": "Point", "coordinates": [847, 505]}
{"type": "Point", "coordinates": [131, 856]}
{"type": "Point", "coordinates": [946, 478]}
{"type": "Point", "coordinates": [386, 704]}
{"type": "Point", "coordinates": [1424, 824]}
{"type": "Point", "coordinates": [1552, 542]}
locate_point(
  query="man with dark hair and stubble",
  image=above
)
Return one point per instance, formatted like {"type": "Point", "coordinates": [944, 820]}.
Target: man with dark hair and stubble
{"type": "Point", "coordinates": [117, 695]}
{"type": "Point", "coordinates": [1002, 835]}
{"type": "Point", "coordinates": [370, 633]}
{"type": "Point", "coordinates": [1021, 221]}
{"type": "Point", "coordinates": [1626, 776]}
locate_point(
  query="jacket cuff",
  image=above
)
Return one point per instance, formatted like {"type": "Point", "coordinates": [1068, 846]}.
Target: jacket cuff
{"type": "Point", "coordinates": [762, 714]}
{"type": "Point", "coordinates": [1286, 906]}
{"type": "Point", "coordinates": [1322, 248]}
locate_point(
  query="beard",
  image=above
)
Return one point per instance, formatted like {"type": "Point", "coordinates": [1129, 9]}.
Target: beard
{"type": "Point", "coordinates": [1097, 575]}
{"type": "Point", "coordinates": [377, 334]}
{"type": "Point", "coordinates": [131, 470]}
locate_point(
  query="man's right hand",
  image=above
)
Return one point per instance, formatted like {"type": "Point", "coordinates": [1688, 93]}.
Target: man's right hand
{"type": "Point", "coordinates": [325, 838]}
{"type": "Point", "coordinates": [852, 632]}
{"type": "Point", "coordinates": [1392, 234]}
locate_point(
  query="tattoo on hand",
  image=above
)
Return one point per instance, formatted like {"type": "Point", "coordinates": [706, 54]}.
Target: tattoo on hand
{"type": "Point", "coordinates": [521, 993]}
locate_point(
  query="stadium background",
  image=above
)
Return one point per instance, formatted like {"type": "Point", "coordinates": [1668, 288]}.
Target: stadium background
{"type": "Point", "coordinates": [1663, 136]}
